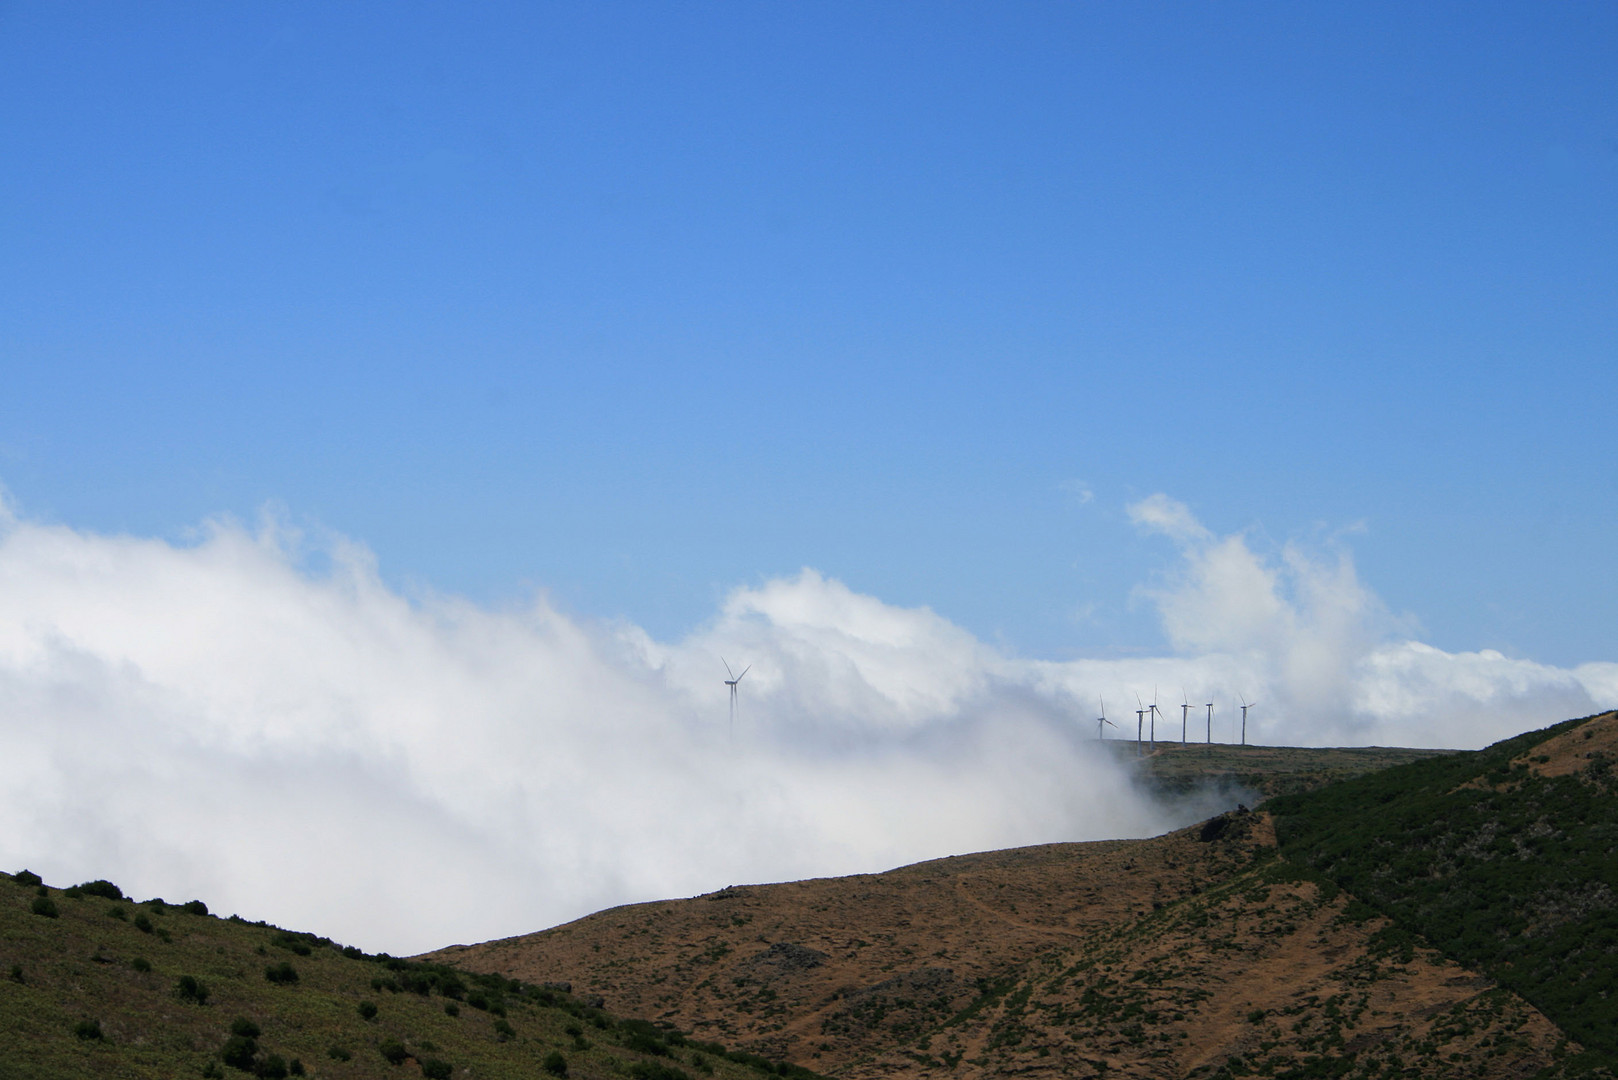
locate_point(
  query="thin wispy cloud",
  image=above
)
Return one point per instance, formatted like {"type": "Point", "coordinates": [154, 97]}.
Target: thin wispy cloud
{"type": "Point", "coordinates": [220, 719]}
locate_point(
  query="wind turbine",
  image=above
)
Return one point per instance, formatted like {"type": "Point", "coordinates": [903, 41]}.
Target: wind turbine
{"type": "Point", "coordinates": [1153, 708]}
{"type": "Point", "coordinates": [1185, 707]}
{"type": "Point", "coordinates": [1210, 723]}
{"type": "Point", "coordinates": [1139, 723]}
{"type": "Point", "coordinates": [1102, 723]}
{"type": "Point", "coordinates": [1245, 706]}
{"type": "Point", "coordinates": [731, 682]}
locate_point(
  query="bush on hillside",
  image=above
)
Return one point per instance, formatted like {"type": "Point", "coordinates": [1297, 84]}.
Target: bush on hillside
{"type": "Point", "coordinates": [239, 1052]}
{"type": "Point", "coordinates": [273, 1067]}
{"type": "Point", "coordinates": [435, 1069]}
{"type": "Point", "coordinates": [393, 1050]}
{"type": "Point", "coordinates": [89, 1030]}
{"type": "Point", "coordinates": [657, 1070]}
{"type": "Point", "coordinates": [194, 907]}
{"type": "Point", "coordinates": [27, 877]}
{"type": "Point", "coordinates": [191, 988]}
{"type": "Point", "coordinates": [142, 923]}
{"type": "Point", "coordinates": [555, 1063]}
{"type": "Point", "coordinates": [367, 1010]}
{"type": "Point", "coordinates": [43, 905]}
{"type": "Point", "coordinates": [245, 1028]}
{"type": "Point", "coordinates": [141, 964]}
{"type": "Point", "coordinates": [282, 974]}
{"type": "Point", "coordinates": [101, 887]}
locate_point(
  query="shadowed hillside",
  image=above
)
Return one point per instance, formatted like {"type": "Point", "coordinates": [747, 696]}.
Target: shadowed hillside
{"type": "Point", "coordinates": [1506, 859]}
{"type": "Point", "coordinates": [93, 985]}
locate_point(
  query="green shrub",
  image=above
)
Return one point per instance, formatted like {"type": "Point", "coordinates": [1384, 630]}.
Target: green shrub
{"type": "Point", "coordinates": [394, 1051]}
{"type": "Point", "coordinates": [142, 923]}
{"type": "Point", "coordinates": [16, 973]}
{"type": "Point", "coordinates": [337, 1053]}
{"type": "Point", "coordinates": [141, 964]}
{"type": "Point", "coordinates": [88, 1030]}
{"type": "Point", "coordinates": [656, 1070]}
{"type": "Point", "coordinates": [295, 1067]}
{"type": "Point", "coordinates": [212, 1071]}
{"type": "Point", "coordinates": [642, 1042]}
{"type": "Point", "coordinates": [191, 988]}
{"type": "Point", "coordinates": [245, 1028]}
{"type": "Point", "coordinates": [555, 1063]}
{"type": "Point", "coordinates": [238, 1052]}
{"type": "Point", "coordinates": [503, 1029]}
{"type": "Point", "coordinates": [102, 888]}
{"type": "Point", "coordinates": [367, 1010]}
{"type": "Point", "coordinates": [282, 974]}
{"type": "Point", "coordinates": [27, 877]}
{"type": "Point", "coordinates": [194, 907]}
{"type": "Point", "coordinates": [434, 1069]}
{"type": "Point", "coordinates": [451, 1009]}
{"type": "Point", "coordinates": [43, 905]}
{"type": "Point", "coordinates": [273, 1067]}
{"type": "Point", "coordinates": [296, 943]}
{"type": "Point", "coordinates": [119, 912]}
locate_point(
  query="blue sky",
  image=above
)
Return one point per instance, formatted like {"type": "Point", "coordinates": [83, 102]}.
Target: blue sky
{"type": "Point", "coordinates": [641, 303]}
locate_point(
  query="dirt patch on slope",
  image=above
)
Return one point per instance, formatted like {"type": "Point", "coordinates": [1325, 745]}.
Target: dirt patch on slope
{"type": "Point", "coordinates": [1576, 750]}
{"type": "Point", "coordinates": [892, 953]}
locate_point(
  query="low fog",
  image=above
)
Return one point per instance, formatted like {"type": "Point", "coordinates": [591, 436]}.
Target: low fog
{"type": "Point", "coordinates": [222, 720]}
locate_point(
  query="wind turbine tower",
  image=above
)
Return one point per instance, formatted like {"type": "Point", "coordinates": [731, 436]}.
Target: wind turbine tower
{"type": "Point", "coordinates": [1102, 723]}
{"type": "Point", "coordinates": [1245, 706]}
{"type": "Point", "coordinates": [1185, 707]}
{"type": "Point", "coordinates": [1139, 723]}
{"type": "Point", "coordinates": [1210, 723]}
{"type": "Point", "coordinates": [1153, 709]}
{"type": "Point", "coordinates": [731, 682]}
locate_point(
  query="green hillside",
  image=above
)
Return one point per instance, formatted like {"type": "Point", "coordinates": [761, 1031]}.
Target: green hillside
{"type": "Point", "coordinates": [1504, 858]}
{"type": "Point", "coordinates": [93, 985]}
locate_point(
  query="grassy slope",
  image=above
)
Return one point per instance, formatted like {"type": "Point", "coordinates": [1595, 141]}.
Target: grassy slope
{"type": "Point", "coordinates": [1173, 769]}
{"type": "Point", "coordinates": [58, 973]}
{"type": "Point", "coordinates": [1506, 870]}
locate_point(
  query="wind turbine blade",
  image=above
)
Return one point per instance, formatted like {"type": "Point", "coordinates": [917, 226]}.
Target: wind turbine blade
{"type": "Point", "coordinates": [729, 672]}
{"type": "Point", "coordinates": [745, 670]}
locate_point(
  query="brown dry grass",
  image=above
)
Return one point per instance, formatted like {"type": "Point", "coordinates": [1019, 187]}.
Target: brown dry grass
{"type": "Point", "coordinates": [1573, 750]}
{"type": "Point", "coordinates": [1159, 957]}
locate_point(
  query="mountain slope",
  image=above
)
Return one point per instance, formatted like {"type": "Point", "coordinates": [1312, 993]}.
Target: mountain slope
{"type": "Point", "coordinates": [1506, 859]}
{"type": "Point", "coordinates": [1206, 952]}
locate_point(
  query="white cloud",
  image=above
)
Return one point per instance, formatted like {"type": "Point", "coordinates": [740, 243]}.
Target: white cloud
{"type": "Point", "coordinates": [219, 720]}
{"type": "Point", "coordinates": [1300, 634]}
{"type": "Point", "coordinates": [214, 720]}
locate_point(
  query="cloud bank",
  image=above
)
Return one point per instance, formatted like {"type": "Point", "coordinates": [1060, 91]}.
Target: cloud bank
{"type": "Point", "coordinates": [220, 719]}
